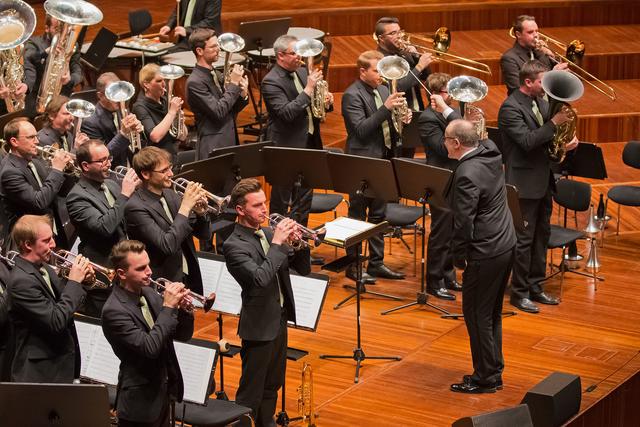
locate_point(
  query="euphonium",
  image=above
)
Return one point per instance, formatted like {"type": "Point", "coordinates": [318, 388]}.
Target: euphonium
{"type": "Point", "coordinates": [562, 87]}
{"type": "Point", "coordinates": [121, 92]}
{"type": "Point", "coordinates": [230, 43]}
{"type": "Point", "coordinates": [310, 48]}
{"type": "Point", "coordinates": [467, 89]}
{"type": "Point", "coordinates": [171, 73]}
{"type": "Point", "coordinates": [393, 68]}
{"type": "Point", "coordinates": [80, 109]}
{"type": "Point", "coordinates": [63, 260]}
{"type": "Point", "coordinates": [17, 22]}
{"type": "Point", "coordinates": [305, 397]}
{"type": "Point", "coordinates": [72, 14]}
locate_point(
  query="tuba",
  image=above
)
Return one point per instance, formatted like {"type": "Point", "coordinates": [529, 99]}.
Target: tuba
{"type": "Point", "coordinates": [80, 109]}
{"type": "Point", "coordinates": [171, 73]}
{"type": "Point", "coordinates": [305, 397]}
{"type": "Point", "coordinates": [393, 68]}
{"type": "Point", "coordinates": [309, 48]}
{"type": "Point", "coordinates": [466, 90]}
{"type": "Point", "coordinates": [121, 92]}
{"type": "Point", "coordinates": [17, 22]}
{"type": "Point", "coordinates": [73, 15]}
{"type": "Point", "coordinates": [562, 87]}
{"type": "Point", "coordinates": [230, 43]}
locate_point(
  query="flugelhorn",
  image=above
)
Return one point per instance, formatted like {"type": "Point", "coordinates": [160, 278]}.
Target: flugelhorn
{"type": "Point", "coordinates": [171, 73]}
{"type": "Point", "coordinates": [49, 151]}
{"type": "Point", "coordinates": [309, 49]}
{"type": "Point", "coordinates": [207, 302]}
{"type": "Point", "coordinates": [466, 90]}
{"type": "Point", "coordinates": [121, 92]}
{"type": "Point", "coordinates": [80, 109]}
{"type": "Point", "coordinates": [215, 204]}
{"type": "Point", "coordinates": [63, 260]}
{"type": "Point", "coordinates": [301, 239]}
{"type": "Point", "coordinates": [393, 68]}
{"type": "Point", "coordinates": [230, 43]}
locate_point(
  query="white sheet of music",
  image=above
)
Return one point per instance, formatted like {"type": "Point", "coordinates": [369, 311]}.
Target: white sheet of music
{"type": "Point", "coordinates": [342, 228]}
{"type": "Point", "coordinates": [228, 296]}
{"type": "Point", "coordinates": [98, 361]}
{"type": "Point", "coordinates": [210, 270]}
{"type": "Point", "coordinates": [308, 294]}
{"type": "Point", "coordinates": [196, 364]}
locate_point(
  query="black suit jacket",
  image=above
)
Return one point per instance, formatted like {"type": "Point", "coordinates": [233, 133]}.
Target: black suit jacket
{"type": "Point", "coordinates": [99, 225]}
{"type": "Point", "coordinates": [5, 324]}
{"type": "Point", "coordinates": [214, 111]}
{"type": "Point", "coordinates": [431, 125]}
{"type": "Point", "coordinates": [100, 126]}
{"type": "Point", "coordinates": [206, 14]}
{"type": "Point", "coordinates": [409, 83]}
{"type": "Point", "coordinates": [512, 60]}
{"type": "Point", "coordinates": [524, 144]}
{"type": "Point", "coordinates": [49, 136]}
{"type": "Point", "coordinates": [363, 120]}
{"type": "Point", "coordinates": [45, 341]}
{"type": "Point", "coordinates": [258, 275]}
{"type": "Point", "coordinates": [288, 117]}
{"type": "Point", "coordinates": [167, 241]}
{"type": "Point", "coordinates": [148, 365]}
{"type": "Point", "coordinates": [483, 227]}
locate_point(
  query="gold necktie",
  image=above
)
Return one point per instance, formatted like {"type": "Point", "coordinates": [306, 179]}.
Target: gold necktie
{"type": "Point", "coordinates": [536, 112]}
{"type": "Point", "coordinates": [65, 144]}
{"type": "Point", "coordinates": [385, 125]}
{"type": "Point", "coordinates": [107, 194]}
{"type": "Point", "coordinates": [300, 89]}
{"type": "Point", "coordinates": [165, 206]}
{"type": "Point", "coordinates": [146, 313]}
{"type": "Point", "coordinates": [47, 279]}
{"type": "Point", "coordinates": [265, 247]}
{"type": "Point", "coordinates": [189, 14]}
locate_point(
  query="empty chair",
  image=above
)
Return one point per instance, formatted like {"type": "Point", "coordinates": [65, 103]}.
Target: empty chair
{"type": "Point", "coordinates": [627, 195]}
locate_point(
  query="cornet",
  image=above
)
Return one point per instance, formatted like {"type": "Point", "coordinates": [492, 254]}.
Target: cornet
{"type": "Point", "coordinates": [171, 73]}
{"type": "Point", "coordinates": [63, 260]}
{"type": "Point", "coordinates": [299, 240]}
{"type": "Point", "coordinates": [121, 92]}
{"type": "Point", "coordinates": [49, 151]}
{"type": "Point", "coordinates": [215, 204]}
{"type": "Point", "coordinates": [207, 302]}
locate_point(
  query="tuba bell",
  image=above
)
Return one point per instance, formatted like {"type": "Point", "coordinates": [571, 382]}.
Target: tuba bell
{"type": "Point", "coordinates": [562, 87]}
{"type": "Point", "coordinates": [310, 48]}
{"type": "Point", "coordinates": [393, 68]}
{"type": "Point", "coordinates": [467, 90]}
{"type": "Point", "coordinates": [17, 22]}
{"type": "Point", "coordinates": [73, 15]}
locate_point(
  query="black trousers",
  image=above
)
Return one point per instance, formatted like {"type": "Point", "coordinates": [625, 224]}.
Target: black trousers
{"type": "Point", "coordinates": [300, 199]}
{"type": "Point", "coordinates": [264, 365]}
{"type": "Point", "coordinates": [162, 421]}
{"type": "Point", "coordinates": [439, 256]}
{"type": "Point", "coordinates": [373, 211]}
{"type": "Point", "coordinates": [531, 248]}
{"type": "Point", "coordinates": [482, 294]}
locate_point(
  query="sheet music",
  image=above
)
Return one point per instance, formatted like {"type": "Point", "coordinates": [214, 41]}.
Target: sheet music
{"type": "Point", "coordinates": [340, 229]}
{"type": "Point", "coordinates": [228, 296]}
{"type": "Point", "coordinates": [210, 270]}
{"type": "Point", "coordinates": [76, 246]}
{"type": "Point", "coordinates": [86, 334]}
{"type": "Point", "coordinates": [196, 364]}
{"type": "Point", "coordinates": [308, 293]}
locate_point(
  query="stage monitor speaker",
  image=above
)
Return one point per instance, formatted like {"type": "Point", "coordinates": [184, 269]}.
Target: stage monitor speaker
{"type": "Point", "coordinates": [554, 400]}
{"type": "Point", "coordinates": [510, 417]}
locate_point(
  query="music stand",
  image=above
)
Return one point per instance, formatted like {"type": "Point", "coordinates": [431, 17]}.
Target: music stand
{"type": "Point", "coordinates": [211, 172]}
{"type": "Point", "coordinates": [411, 133]}
{"type": "Point", "coordinates": [424, 184]}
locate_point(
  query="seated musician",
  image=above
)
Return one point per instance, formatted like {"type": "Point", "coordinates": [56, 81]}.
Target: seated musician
{"type": "Point", "coordinates": [108, 125]}
{"type": "Point", "coordinates": [58, 130]}
{"type": "Point", "coordinates": [7, 95]}
{"type": "Point", "coordinates": [141, 325]}
{"type": "Point", "coordinates": [36, 51]}
{"type": "Point", "coordinates": [166, 221]}
{"type": "Point", "coordinates": [214, 104]}
{"type": "Point", "coordinates": [29, 185]}
{"type": "Point", "coordinates": [153, 112]}
{"type": "Point", "coordinates": [96, 209]}
{"type": "Point", "coordinates": [193, 14]}
{"type": "Point", "coordinates": [5, 324]}
{"type": "Point", "coordinates": [41, 307]}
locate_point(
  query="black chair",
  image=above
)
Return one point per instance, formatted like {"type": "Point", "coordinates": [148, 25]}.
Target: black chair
{"type": "Point", "coordinates": [627, 195]}
{"type": "Point", "coordinates": [184, 157]}
{"type": "Point", "coordinates": [139, 21]}
{"type": "Point", "coordinates": [216, 413]}
{"type": "Point", "coordinates": [403, 217]}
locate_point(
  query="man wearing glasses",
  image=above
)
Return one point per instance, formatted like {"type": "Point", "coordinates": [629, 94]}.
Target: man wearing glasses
{"type": "Point", "coordinates": [96, 209]}
{"type": "Point", "coordinates": [29, 186]}
{"type": "Point", "coordinates": [166, 221]}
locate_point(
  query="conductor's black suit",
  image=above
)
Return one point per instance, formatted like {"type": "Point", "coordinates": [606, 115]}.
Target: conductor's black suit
{"type": "Point", "coordinates": [483, 243]}
{"type": "Point", "coordinates": [263, 321]}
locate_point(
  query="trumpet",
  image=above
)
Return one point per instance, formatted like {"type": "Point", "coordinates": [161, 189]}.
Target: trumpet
{"type": "Point", "coordinates": [63, 260]}
{"type": "Point", "coordinates": [119, 172]}
{"type": "Point", "coordinates": [299, 240]}
{"type": "Point", "coordinates": [207, 302]}
{"type": "Point", "coordinates": [215, 204]}
{"type": "Point", "coordinates": [121, 92]}
{"type": "Point", "coordinates": [230, 43]}
{"type": "Point", "coordinates": [80, 109]}
{"type": "Point", "coordinates": [9, 258]}
{"type": "Point", "coordinates": [49, 151]}
{"type": "Point", "coordinates": [309, 48]}
{"type": "Point", "coordinates": [171, 73]}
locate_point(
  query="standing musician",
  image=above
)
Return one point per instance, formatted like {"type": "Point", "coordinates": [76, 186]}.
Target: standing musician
{"type": "Point", "coordinates": [525, 48]}
{"type": "Point", "coordinates": [58, 129]}
{"type": "Point", "coordinates": [29, 186]}
{"type": "Point", "coordinates": [108, 125]}
{"type": "Point", "coordinates": [194, 14]}
{"type": "Point", "coordinates": [96, 209]}
{"type": "Point", "coordinates": [36, 52]}
{"type": "Point", "coordinates": [287, 91]}
{"type": "Point", "coordinates": [166, 221]}
{"type": "Point", "coordinates": [259, 259]}
{"type": "Point", "coordinates": [41, 307]}
{"type": "Point", "coordinates": [153, 111]}
{"type": "Point", "coordinates": [141, 325]}
{"type": "Point", "coordinates": [527, 130]}
{"type": "Point", "coordinates": [214, 104]}
{"type": "Point", "coordinates": [483, 245]}
{"type": "Point", "coordinates": [441, 275]}
{"type": "Point", "coordinates": [367, 108]}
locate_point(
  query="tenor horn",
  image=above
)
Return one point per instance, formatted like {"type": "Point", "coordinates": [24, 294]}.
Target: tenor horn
{"type": "Point", "coordinates": [467, 90]}
{"type": "Point", "coordinates": [393, 68]}
{"type": "Point", "coordinates": [230, 43]}
{"type": "Point", "coordinates": [80, 109]}
{"type": "Point", "coordinates": [171, 73]}
{"type": "Point", "coordinates": [120, 92]}
{"type": "Point", "coordinates": [310, 48]}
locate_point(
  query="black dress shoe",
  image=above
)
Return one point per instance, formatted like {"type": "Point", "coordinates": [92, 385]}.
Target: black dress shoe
{"type": "Point", "coordinates": [524, 304]}
{"type": "Point", "coordinates": [472, 387]}
{"type": "Point", "coordinates": [384, 272]}
{"type": "Point", "coordinates": [453, 285]}
{"type": "Point", "coordinates": [317, 260]}
{"type": "Point", "coordinates": [442, 293]}
{"type": "Point", "coordinates": [366, 279]}
{"type": "Point", "coordinates": [497, 384]}
{"type": "Point", "coordinates": [543, 298]}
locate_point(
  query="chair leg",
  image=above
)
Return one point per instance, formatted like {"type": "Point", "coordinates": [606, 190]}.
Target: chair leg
{"type": "Point", "coordinates": [618, 222]}
{"type": "Point", "coordinates": [415, 255]}
{"type": "Point", "coordinates": [562, 269]}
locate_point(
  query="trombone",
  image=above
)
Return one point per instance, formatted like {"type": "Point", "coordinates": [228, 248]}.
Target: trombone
{"type": "Point", "coordinates": [441, 42]}
{"type": "Point", "coordinates": [573, 54]}
{"type": "Point", "coordinates": [63, 260]}
{"type": "Point", "coordinates": [207, 302]}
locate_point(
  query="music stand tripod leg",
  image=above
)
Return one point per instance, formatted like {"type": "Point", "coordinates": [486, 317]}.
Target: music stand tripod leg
{"type": "Point", "coordinates": [221, 394]}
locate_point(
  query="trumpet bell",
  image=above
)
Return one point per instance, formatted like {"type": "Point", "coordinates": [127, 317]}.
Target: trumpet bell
{"type": "Point", "coordinates": [171, 72]}
{"type": "Point", "coordinates": [575, 51]}
{"type": "Point", "coordinates": [467, 89]}
{"type": "Point", "coordinates": [80, 108]}
{"type": "Point", "coordinates": [17, 22]}
{"type": "Point", "coordinates": [442, 39]}
{"type": "Point", "coordinates": [231, 42]}
{"type": "Point", "coordinates": [562, 86]}
{"type": "Point", "coordinates": [393, 67]}
{"type": "Point", "coordinates": [74, 12]}
{"type": "Point", "coordinates": [308, 47]}
{"type": "Point", "coordinates": [119, 91]}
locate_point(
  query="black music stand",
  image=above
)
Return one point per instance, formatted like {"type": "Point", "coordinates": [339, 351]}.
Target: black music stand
{"type": "Point", "coordinates": [424, 184]}
{"type": "Point", "coordinates": [248, 161]}
{"type": "Point", "coordinates": [211, 172]}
